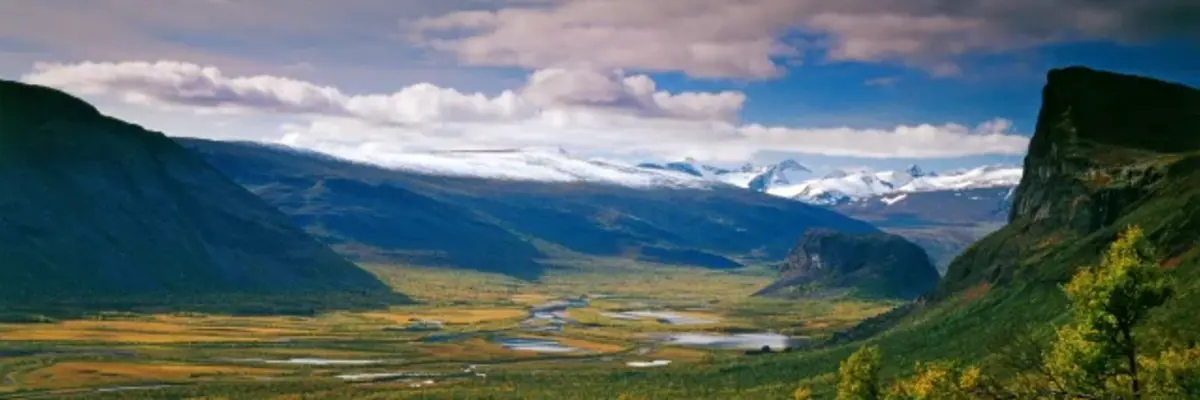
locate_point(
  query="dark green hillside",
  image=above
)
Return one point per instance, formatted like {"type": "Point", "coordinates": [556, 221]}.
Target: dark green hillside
{"type": "Point", "coordinates": [829, 263]}
{"type": "Point", "coordinates": [1110, 151]}
{"type": "Point", "coordinates": [375, 214]}
{"type": "Point", "coordinates": [96, 211]}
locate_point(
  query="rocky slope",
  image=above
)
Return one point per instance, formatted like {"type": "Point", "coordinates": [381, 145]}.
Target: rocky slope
{"type": "Point", "coordinates": [829, 263]}
{"type": "Point", "coordinates": [93, 209]}
{"type": "Point", "coordinates": [1110, 150]}
{"type": "Point", "coordinates": [517, 226]}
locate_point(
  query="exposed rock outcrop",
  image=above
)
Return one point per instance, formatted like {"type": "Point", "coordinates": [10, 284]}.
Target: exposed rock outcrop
{"type": "Point", "coordinates": [1109, 150]}
{"type": "Point", "coordinates": [829, 263]}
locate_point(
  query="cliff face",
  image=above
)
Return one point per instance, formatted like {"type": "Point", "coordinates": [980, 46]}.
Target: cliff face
{"type": "Point", "coordinates": [94, 208]}
{"type": "Point", "coordinates": [828, 263]}
{"type": "Point", "coordinates": [1092, 129]}
{"type": "Point", "coordinates": [1109, 150]}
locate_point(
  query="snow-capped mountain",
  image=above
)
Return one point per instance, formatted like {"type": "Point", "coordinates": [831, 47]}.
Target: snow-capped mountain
{"type": "Point", "coordinates": [757, 178]}
{"type": "Point", "coordinates": [841, 188]}
{"type": "Point", "coordinates": [787, 178]}
{"type": "Point", "coordinates": [792, 180]}
{"type": "Point", "coordinates": [533, 164]}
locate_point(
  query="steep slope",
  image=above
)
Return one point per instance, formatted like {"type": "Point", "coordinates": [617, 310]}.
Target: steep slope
{"type": "Point", "coordinates": [1110, 151]}
{"type": "Point", "coordinates": [95, 209]}
{"type": "Point", "coordinates": [829, 263]}
{"type": "Point", "coordinates": [513, 225]}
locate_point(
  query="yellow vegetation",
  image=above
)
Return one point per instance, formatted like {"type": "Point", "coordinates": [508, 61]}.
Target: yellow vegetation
{"type": "Point", "coordinates": [590, 345]}
{"type": "Point", "coordinates": [449, 315]}
{"type": "Point", "coordinates": [84, 374]}
{"type": "Point", "coordinates": [160, 330]}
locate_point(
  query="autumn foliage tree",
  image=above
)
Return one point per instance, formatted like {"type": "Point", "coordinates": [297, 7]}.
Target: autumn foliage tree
{"type": "Point", "coordinates": [1093, 356]}
{"type": "Point", "coordinates": [859, 375]}
{"type": "Point", "coordinates": [941, 380]}
{"type": "Point", "coordinates": [1096, 354]}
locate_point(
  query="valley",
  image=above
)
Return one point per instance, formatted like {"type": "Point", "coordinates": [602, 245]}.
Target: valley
{"type": "Point", "coordinates": [136, 265]}
{"type": "Point", "coordinates": [668, 319]}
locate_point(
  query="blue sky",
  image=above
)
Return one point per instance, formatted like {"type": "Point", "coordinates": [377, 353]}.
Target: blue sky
{"type": "Point", "coordinates": [832, 83]}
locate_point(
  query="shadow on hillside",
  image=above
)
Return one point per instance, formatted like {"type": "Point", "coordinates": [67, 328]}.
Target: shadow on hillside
{"type": "Point", "coordinates": [374, 214]}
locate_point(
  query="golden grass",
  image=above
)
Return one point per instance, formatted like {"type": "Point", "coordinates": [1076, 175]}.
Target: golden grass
{"type": "Point", "coordinates": [530, 298]}
{"type": "Point", "coordinates": [167, 329]}
{"type": "Point", "coordinates": [598, 347]}
{"type": "Point", "coordinates": [474, 349]}
{"type": "Point", "coordinates": [617, 277]}
{"type": "Point", "coordinates": [441, 285]}
{"type": "Point", "coordinates": [67, 335]}
{"type": "Point", "coordinates": [162, 329]}
{"type": "Point", "coordinates": [448, 315]}
{"type": "Point", "coordinates": [87, 374]}
{"type": "Point", "coordinates": [466, 301]}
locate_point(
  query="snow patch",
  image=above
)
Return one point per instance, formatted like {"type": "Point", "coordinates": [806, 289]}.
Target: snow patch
{"type": "Point", "coordinates": [893, 200]}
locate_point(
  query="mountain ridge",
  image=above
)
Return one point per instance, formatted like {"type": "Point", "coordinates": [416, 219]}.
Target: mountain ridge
{"type": "Point", "coordinates": [517, 225]}
{"type": "Point", "coordinates": [76, 228]}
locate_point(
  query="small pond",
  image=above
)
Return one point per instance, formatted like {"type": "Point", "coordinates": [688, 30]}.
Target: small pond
{"type": "Point", "coordinates": [648, 364]}
{"type": "Point", "coordinates": [533, 344]}
{"type": "Point", "coordinates": [309, 361]}
{"type": "Point", "coordinates": [743, 341]}
{"type": "Point", "coordinates": [665, 317]}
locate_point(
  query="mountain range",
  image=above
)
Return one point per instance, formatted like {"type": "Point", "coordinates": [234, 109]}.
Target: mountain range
{"type": "Point", "coordinates": [790, 179]}
{"type": "Point", "coordinates": [517, 212]}
{"type": "Point", "coordinates": [942, 212]}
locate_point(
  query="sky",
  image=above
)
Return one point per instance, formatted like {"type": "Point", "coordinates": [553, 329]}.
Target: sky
{"type": "Point", "coordinates": [879, 84]}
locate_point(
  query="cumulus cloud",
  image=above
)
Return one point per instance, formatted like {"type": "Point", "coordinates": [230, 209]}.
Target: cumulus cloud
{"type": "Point", "coordinates": [704, 38]}
{"type": "Point", "coordinates": [589, 88]}
{"type": "Point", "coordinates": [585, 110]}
{"type": "Point", "coordinates": [920, 141]}
{"type": "Point", "coordinates": [177, 84]}
{"type": "Point", "coordinates": [748, 38]}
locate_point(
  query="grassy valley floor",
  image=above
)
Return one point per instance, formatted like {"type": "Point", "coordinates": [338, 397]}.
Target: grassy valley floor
{"type": "Point", "coordinates": [464, 319]}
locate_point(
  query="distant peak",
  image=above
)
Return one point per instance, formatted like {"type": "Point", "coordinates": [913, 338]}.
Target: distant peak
{"type": "Point", "coordinates": [792, 165]}
{"type": "Point", "coordinates": [915, 171]}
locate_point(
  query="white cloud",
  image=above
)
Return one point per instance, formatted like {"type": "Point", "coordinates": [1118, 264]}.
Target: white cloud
{"type": "Point", "coordinates": [704, 38]}
{"type": "Point", "coordinates": [175, 84]}
{"type": "Point", "coordinates": [591, 88]}
{"type": "Point", "coordinates": [921, 141]}
{"type": "Point", "coordinates": [586, 111]}
{"type": "Point", "coordinates": [747, 38]}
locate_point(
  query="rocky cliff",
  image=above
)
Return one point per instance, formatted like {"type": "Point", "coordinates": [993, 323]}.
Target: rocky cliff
{"type": "Point", "coordinates": [829, 263]}
{"type": "Point", "coordinates": [1110, 150]}
{"type": "Point", "coordinates": [95, 209]}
